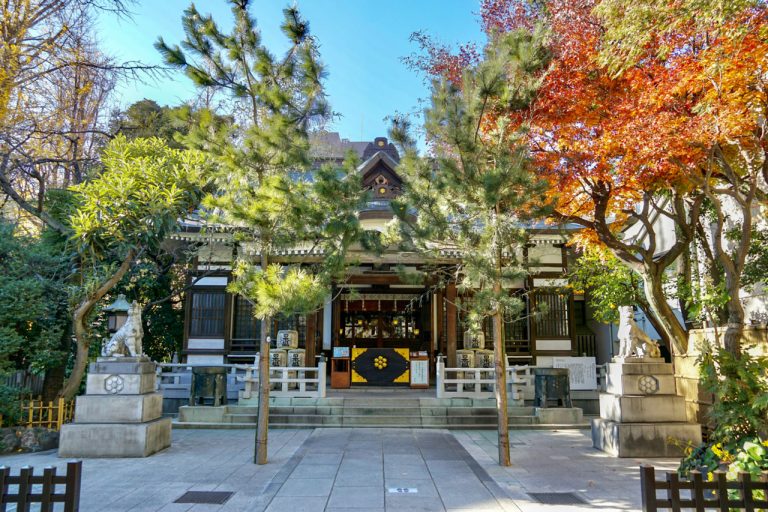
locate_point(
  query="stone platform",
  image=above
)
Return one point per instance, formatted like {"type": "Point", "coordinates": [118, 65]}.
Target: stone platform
{"type": "Point", "coordinates": [640, 413]}
{"type": "Point", "coordinates": [120, 414]}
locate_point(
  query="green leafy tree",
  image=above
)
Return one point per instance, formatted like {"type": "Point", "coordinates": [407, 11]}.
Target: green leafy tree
{"type": "Point", "coordinates": [146, 118]}
{"type": "Point", "coordinates": [34, 316]}
{"type": "Point", "coordinates": [472, 196]}
{"type": "Point", "coordinates": [127, 210]}
{"type": "Point", "coordinates": [609, 284]}
{"type": "Point", "coordinates": [265, 188]}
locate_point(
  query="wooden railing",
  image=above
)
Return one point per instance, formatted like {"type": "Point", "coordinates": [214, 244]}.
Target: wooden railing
{"type": "Point", "coordinates": [288, 381]}
{"type": "Point", "coordinates": [700, 494]}
{"type": "Point", "coordinates": [32, 489]}
{"type": "Point", "coordinates": [52, 415]}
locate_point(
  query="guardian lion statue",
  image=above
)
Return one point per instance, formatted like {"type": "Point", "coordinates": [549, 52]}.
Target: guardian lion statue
{"type": "Point", "coordinates": [127, 340]}
{"type": "Point", "coordinates": [633, 342]}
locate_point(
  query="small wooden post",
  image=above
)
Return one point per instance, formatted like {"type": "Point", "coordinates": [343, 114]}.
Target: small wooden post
{"type": "Point", "coordinates": [72, 486]}
{"type": "Point", "coordinates": [673, 492]}
{"type": "Point", "coordinates": [745, 479]}
{"type": "Point", "coordinates": [60, 414]}
{"type": "Point", "coordinates": [722, 491]}
{"type": "Point", "coordinates": [49, 486]}
{"type": "Point", "coordinates": [5, 473]}
{"type": "Point", "coordinates": [648, 488]}
{"type": "Point", "coordinates": [698, 490]}
{"type": "Point", "coordinates": [25, 487]}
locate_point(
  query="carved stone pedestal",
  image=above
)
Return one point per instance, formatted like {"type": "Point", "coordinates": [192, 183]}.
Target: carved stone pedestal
{"type": "Point", "coordinates": [120, 414]}
{"type": "Point", "coordinates": [640, 414]}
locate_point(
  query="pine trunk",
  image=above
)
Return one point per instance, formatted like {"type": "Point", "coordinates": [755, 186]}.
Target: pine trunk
{"type": "Point", "coordinates": [500, 361]}
{"type": "Point", "coordinates": [501, 385]}
{"type": "Point", "coordinates": [262, 422]}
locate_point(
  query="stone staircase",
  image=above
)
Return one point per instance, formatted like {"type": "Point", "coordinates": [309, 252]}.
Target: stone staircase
{"type": "Point", "coordinates": [451, 413]}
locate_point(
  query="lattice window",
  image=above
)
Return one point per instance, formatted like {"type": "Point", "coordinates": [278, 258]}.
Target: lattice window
{"type": "Point", "coordinates": [246, 329]}
{"type": "Point", "coordinates": [554, 322]}
{"type": "Point", "coordinates": [207, 314]}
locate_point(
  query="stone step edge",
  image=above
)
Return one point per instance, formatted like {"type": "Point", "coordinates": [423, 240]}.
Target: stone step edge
{"type": "Point", "coordinates": [252, 426]}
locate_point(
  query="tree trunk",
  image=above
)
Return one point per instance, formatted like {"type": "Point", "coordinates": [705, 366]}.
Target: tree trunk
{"type": "Point", "coordinates": [500, 368]}
{"type": "Point", "coordinates": [667, 320]}
{"type": "Point", "coordinates": [500, 361]}
{"type": "Point", "coordinates": [80, 326]}
{"type": "Point", "coordinates": [262, 422]}
{"type": "Point", "coordinates": [734, 330]}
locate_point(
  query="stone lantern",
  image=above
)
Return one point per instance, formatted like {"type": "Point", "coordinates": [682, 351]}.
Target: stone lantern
{"type": "Point", "coordinates": [117, 313]}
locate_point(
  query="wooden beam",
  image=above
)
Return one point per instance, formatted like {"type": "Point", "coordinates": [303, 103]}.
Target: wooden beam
{"type": "Point", "coordinates": [373, 279]}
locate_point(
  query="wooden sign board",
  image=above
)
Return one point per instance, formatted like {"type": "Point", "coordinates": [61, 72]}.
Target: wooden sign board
{"type": "Point", "coordinates": [419, 372]}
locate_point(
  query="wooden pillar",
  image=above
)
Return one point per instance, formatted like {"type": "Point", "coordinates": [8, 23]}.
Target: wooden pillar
{"type": "Point", "coordinates": [450, 311]}
{"type": "Point", "coordinates": [439, 322]}
{"type": "Point", "coordinates": [336, 324]}
{"type": "Point", "coordinates": [311, 340]}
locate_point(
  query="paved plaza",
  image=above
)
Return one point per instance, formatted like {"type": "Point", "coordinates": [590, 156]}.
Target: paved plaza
{"type": "Point", "coordinates": [360, 469]}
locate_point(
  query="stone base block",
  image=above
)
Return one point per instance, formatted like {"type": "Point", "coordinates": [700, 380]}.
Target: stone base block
{"type": "Point", "coordinates": [643, 439]}
{"type": "Point", "coordinates": [122, 365]}
{"type": "Point", "coordinates": [642, 409]}
{"type": "Point", "coordinates": [120, 384]}
{"type": "Point", "coordinates": [118, 408]}
{"type": "Point", "coordinates": [636, 384]}
{"type": "Point", "coordinates": [114, 440]}
{"type": "Point", "coordinates": [558, 415]}
{"type": "Point", "coordinates": [203, 414]}
{"type": "Point", "coordinates": [661, 368]}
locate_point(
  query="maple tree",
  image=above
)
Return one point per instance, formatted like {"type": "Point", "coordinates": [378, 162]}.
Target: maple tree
{"type": "Point", "coordinates": [650, 120]}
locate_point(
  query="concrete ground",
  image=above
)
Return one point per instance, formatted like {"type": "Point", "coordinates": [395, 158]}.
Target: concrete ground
{"type": "Point", "coordinates": [360, 469]}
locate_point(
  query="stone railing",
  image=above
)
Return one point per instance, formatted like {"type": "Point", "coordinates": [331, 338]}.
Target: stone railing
{"type": "Point", "coordinates": [481, 382]}
{"type": "Point", "coordinates": [174, 380]}
{"type": "Point", "coordinates": [474, 382]}
{"type": "Point", "coordinates": [242, 380]}
{"type": "Point", "coordinates": [294, 382]}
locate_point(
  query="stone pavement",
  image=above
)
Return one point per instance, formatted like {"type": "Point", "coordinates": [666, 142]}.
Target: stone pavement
{"type": "Point", "coordinates": [360, 469]}
{"type": "Point", "coordinates": [560, 462]}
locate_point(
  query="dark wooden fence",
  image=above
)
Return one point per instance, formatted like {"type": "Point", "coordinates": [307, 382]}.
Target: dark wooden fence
{"type": "Point", "coordinates": [699, 494]}
{"type": "Point", "coordinates": [33, 489]}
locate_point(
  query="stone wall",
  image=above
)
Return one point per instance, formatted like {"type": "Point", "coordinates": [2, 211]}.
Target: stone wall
{"type": "Point", "coordinates": [687, 372]}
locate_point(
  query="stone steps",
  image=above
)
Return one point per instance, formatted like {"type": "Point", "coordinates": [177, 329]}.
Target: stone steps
{"type": "Point", "coordinates": [379, 413]}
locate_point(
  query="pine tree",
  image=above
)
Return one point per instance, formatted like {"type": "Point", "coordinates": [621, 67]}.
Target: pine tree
{"type": "Point", "coordinates": [266, 189]}
{"type": "Point", "coordinates": [473, 193]}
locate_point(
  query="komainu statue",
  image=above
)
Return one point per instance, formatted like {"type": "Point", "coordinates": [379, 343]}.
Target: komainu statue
{"type": "Point", "coordinates": [633, 341]}
{"type": "Point", "coordinates": [127, 340]}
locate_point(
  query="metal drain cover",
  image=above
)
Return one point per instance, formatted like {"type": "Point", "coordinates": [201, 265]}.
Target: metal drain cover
{"type": "Point", "coordinates": [205, 497]}
{"type": "Point", "coordinates": [557, 498]}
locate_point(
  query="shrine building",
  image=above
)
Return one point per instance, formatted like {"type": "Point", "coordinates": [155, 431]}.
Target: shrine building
{"type": "Point", "coordinates": [373, 308]}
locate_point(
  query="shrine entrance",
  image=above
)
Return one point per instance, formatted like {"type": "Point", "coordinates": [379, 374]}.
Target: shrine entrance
{"type": "Point", "coordinates": [382, 330]}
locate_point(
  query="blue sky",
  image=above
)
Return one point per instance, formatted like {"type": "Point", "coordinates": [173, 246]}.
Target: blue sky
{"type": "Point", "coordinates": [362, 42]}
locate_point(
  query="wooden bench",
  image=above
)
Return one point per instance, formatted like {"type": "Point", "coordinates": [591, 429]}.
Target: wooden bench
{"type": "Point", "coordinates": [28, 490]}
{"type": "Point", "coordinates": [700, 494]}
